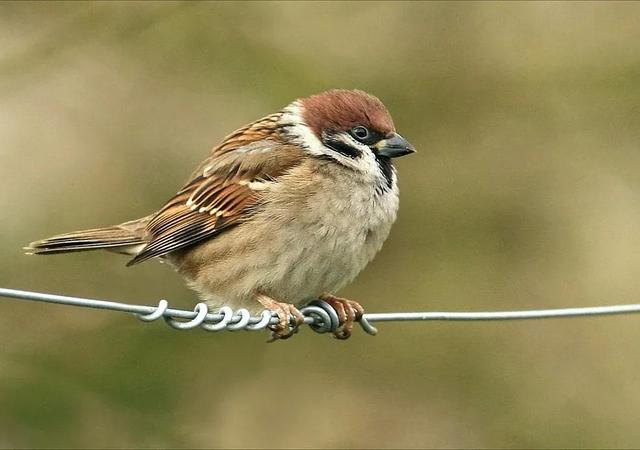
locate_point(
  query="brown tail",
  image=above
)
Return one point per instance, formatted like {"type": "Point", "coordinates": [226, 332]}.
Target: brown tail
{"type": "Point", "coordinates": [125, 238]}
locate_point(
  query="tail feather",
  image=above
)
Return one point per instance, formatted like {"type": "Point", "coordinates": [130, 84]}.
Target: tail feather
{"type": "Point", "coordinates": [119, 238]}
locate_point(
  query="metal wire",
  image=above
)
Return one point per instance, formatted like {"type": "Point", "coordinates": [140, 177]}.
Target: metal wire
{"type": "Point", "coordinates": [319, 315]}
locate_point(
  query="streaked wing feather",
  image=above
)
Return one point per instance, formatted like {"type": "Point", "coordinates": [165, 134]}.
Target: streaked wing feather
{"type": "Point", "coordinates": [180, 224]}
{"type": "Point", "coordinates": [221, 193]}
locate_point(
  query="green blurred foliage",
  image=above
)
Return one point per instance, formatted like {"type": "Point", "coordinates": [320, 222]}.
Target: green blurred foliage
{"type": "Point", "coordinates": [524, 194]}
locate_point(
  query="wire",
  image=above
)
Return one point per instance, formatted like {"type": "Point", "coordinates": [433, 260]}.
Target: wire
{"type": "Point", "coordinates": [319, 315]}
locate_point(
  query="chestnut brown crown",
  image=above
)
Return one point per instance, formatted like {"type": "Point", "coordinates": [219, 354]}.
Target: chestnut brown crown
{"type": "Point", "coordinates": [342, 109]}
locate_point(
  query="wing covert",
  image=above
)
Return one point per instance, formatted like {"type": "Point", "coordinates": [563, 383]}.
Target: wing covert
{"type": "Point", "coordinates": [222, 193]}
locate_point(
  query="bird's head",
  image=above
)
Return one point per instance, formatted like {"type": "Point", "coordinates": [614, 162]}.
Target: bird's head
{"type": "Point", "coordinates": [349, 127]}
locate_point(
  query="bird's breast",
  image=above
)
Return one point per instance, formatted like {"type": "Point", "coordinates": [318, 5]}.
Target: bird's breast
{"type": "Point", "coordinates": [330, 226]}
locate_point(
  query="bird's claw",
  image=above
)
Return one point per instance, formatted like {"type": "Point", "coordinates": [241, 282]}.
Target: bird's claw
{"type": "Point", "coordinates": [285, 312]}
{"type": "Point", "coordinates": [348, 311]}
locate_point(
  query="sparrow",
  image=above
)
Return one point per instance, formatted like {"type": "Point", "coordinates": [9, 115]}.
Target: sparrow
{"type": "Point", "coordinates": [285, 210]}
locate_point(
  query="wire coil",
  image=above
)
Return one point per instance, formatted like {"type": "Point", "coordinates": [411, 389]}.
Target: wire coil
{"type": "Point", "coordinates": [319, 315]}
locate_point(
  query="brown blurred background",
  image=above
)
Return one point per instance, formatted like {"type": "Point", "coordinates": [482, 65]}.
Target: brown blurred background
{"type": "Point", "coordinates": [524, 194]}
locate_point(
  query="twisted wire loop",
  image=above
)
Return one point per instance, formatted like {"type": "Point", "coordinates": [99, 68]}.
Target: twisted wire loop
{"type": "Point", "coordinates": [325, 318]}
{"type": "Point", "coordinates": [201, 311]}
{"type": "Point", "coordinates": [227, 315]}
{"type": "Point", "coordinates": [155, 315]}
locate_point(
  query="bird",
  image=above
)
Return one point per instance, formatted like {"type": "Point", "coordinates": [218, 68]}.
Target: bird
{"type": "Point", "coordinates": [287, 209]}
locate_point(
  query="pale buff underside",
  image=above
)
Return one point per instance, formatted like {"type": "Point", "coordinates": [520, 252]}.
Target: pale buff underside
{"type": "Point", "coordinates": [317, 228]}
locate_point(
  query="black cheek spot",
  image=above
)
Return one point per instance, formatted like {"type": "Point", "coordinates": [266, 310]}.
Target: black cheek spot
{"type": "Point", "coordinates": [340, 146]}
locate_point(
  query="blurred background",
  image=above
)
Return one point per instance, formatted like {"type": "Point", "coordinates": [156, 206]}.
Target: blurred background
{"type": "Point", "coordinates": [524, 194]}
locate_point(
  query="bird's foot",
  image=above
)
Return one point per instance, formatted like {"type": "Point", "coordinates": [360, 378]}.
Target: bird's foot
{"type": "Point", "coordinates": [348, 312]}
{"type": "Point", "coordinates": [285, 312]}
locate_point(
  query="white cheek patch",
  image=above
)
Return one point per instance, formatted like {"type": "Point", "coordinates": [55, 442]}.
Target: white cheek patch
{"type": "Point", "coordinates": [300, 131]}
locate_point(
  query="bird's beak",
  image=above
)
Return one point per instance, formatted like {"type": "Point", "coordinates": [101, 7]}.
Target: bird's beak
{"type": "Point", "coordinates": [394, 147]}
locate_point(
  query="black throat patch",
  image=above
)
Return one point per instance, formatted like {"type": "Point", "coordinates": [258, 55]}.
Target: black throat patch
{"type": "Point", "coordinates": [386, 167]}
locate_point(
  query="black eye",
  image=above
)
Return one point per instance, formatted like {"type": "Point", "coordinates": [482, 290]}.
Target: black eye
{"type": "Point", "coordinates": [361, 133]}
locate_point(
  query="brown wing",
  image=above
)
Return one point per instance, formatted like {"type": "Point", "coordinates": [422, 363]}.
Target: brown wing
{"type": "Point", "coordinates": [223, 191]}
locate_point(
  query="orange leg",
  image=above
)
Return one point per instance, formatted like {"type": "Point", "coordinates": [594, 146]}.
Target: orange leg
{"type": "Point", "coordinates": [348, 312]}
{"type": "Point", "coordinates": [284, 311]}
